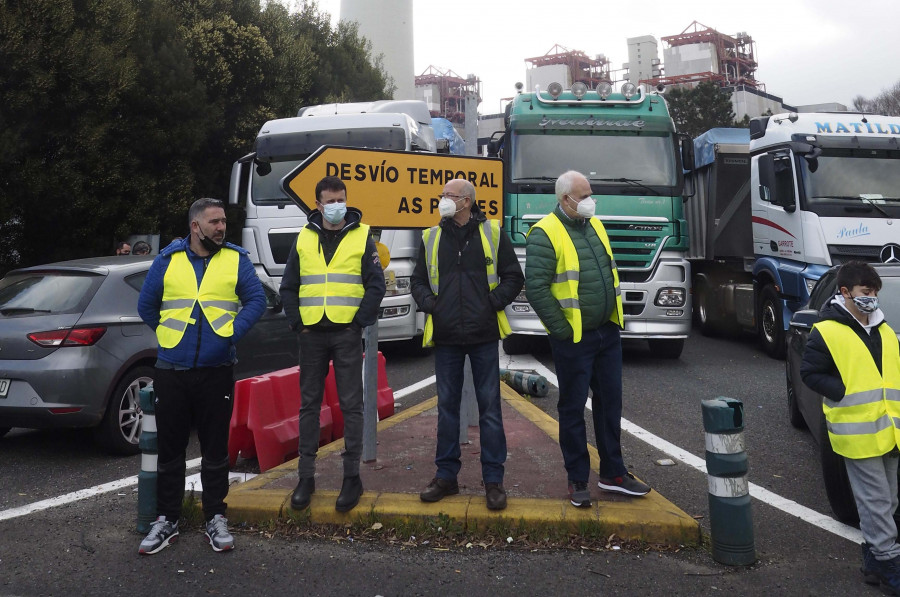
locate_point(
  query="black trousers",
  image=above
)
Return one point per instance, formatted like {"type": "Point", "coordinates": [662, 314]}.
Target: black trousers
{"type": "Point", "coordinates": [200, 398]}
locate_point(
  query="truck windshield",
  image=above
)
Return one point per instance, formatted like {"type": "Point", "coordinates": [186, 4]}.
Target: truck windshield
{"type": "Point", "coordinates": [854, 177]}
{"type": "Point", "coordinates": [648, 159]}
{"type": "Point", "coordinates": [294, 147]}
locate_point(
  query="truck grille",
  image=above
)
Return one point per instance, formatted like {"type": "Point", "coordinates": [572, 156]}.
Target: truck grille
{"type": "Point", "coordinates": [843, 253]}
{"type": "Point", "coordinates": [632, 246]}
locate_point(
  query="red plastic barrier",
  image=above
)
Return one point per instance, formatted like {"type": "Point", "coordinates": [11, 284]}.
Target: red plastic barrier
{"type": "Point", "coordinates": [385, 393]}
{"type": "Point", "coordinates": [273, 417]}
{"type": "Point", "coordinates": [240, 438]}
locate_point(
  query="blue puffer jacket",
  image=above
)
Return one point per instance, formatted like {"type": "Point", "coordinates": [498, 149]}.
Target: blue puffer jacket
{"type": "Point", "coordinates": [201, 346]}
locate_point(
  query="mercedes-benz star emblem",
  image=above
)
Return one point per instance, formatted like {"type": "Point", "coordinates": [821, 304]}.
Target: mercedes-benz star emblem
{"type": "Point", "coordinates": [890, 253]}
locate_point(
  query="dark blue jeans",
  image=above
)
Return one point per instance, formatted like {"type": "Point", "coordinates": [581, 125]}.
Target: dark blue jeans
{"type": "Point", "coordinates": [449, 362]}
{"type": "Point", "coordinates": [595, 363]}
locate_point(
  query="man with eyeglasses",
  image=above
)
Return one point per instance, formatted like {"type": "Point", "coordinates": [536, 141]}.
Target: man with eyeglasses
{"type": "Point", "coordinates": [465, 275]}
{"type": "Point", "coordinates": [573, 286]}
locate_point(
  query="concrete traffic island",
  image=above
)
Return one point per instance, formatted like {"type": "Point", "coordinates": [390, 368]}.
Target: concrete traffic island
{"type": "Point", "coordinates": [535, 482]}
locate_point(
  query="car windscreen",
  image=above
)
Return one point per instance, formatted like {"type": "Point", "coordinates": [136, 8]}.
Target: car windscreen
{"type": "Point", "coordinates": [47, 292]}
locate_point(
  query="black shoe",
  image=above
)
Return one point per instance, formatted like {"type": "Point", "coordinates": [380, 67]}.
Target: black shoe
{"type": "Point", "coordinates": [496, 496]}
{"type": "Point", "coordinates": [869, 565]}
{"type": "Point", "coordinates": [303, 493]}
{"type": "Point", "coordinates": [438, 489]}
{"type": "Point", "coordinates": [351, 490]}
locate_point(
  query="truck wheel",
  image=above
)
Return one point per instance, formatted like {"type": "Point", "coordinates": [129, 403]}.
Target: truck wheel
{"type": "Point", "coordinates": [517, 344]}
{"type": "Point", "coordinates": [837, 485]}
{"type": "Point", "coordinates": [666, 349]}
{"type": "Point", "coordinates": [702, 313]}
{"type": "Point", "coordinates": [770, 323]}
{"type": "Point", "coordinates": [794, 414]}
{"type": "Point", "coordinates": [120, 430]}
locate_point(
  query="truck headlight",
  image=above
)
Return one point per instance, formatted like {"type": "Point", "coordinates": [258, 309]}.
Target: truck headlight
{"type": "Point", "coordinates": [670, 297]}
{"type": "Point", "coordinates": [400, 287]}
{"type": "Point", "coordinates": [810, 284]}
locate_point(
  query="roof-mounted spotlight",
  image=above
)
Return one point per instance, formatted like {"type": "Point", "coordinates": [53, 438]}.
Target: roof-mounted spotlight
{"type": "Point", "coordinates": [579, 89]}
{"type": "Point", "coordinates": [519, 87]}
{"type": "Point", "coordinates": [604, 89]}
{"type": "Point", "coordinates": [629, 90]}
{"type": "Point", "coordinates": [555, 90]}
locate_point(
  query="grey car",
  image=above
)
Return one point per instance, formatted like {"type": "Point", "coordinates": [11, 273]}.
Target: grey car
{"type": "Point", "coordinates": [75, 353]}
{"type": "Point", "coordinates": [805, 406]}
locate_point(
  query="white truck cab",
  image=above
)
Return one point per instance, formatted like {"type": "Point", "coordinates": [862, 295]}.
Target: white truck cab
{"type": "Point", "coordinates": [273, 220]}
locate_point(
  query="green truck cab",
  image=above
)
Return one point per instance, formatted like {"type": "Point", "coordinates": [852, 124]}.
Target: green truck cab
{"type": "Point", "coordinates": [626, 145]}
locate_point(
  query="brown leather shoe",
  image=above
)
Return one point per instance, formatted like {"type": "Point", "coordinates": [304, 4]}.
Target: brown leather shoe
{"type": "Point", "coordinates": [438, 489]}
{"type": "Point", "coordinates": [496, 496]}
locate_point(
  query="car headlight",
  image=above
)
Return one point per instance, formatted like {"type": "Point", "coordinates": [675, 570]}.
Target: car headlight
{"type": "Point", "coordinates": [670, 297]}
{"type": "Point", "coordinates": [400, 287]}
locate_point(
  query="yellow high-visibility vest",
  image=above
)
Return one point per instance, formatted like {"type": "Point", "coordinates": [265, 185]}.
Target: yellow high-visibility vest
{"type": "Point", "coordinates": [564, 285]}
{"type": "Point", "coordinates": [490, 244]}
{"type": "Point", "coordinates": [866, 422]}
{"type": "Point", "coordinates": [216, 293]}
{"type": "Point", "coordinates": [332, 289]}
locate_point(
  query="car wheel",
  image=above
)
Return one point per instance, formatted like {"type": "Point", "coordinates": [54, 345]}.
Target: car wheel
{"type": "Point", "coordinates": [837, 484]}
{"type": "Point", "coordinates": [794, 414]}
{"type": "Point", "coordinates": [517, 344]}
{"type": "Point", "coordinates": [771, 324]}
{"type": "Point", "coordinates": [120, 429]}
{"type": "Point", "coordinates": [666, 349]}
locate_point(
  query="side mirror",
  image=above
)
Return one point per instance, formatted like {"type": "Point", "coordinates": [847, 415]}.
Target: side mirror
{"type": "Point", "coordinates": [766, 166]}
{"type": "Point", "coordinates": [804, 319]}
{"type": "Point", "coordinates": [234, 187]}
{"type": "Point", "coordinates": [687, 151]}
{"type": "Point", "coordinates": [274, 303]}
{"type": "Point", "coordinates": [495, 144]}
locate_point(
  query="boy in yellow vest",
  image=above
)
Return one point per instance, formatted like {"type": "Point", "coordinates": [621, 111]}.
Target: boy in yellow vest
{"type": "Point", "coordinates": [852, 358]}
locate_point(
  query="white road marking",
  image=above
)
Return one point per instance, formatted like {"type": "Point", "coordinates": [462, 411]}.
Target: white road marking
{"type": "Point", "coordinates": [791, 507]}
{"type": "Point", "coordinates": [511, 362]}
{"type": "Point", "coordinates": [75, 496]}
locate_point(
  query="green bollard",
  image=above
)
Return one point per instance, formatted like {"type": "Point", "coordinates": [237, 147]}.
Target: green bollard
{"type": "Point", "coordinates": [731, 523]}
{"type": "Point", "coordinates": [525, 382]}
{"type": "Point", "coordinates": [147, 476]}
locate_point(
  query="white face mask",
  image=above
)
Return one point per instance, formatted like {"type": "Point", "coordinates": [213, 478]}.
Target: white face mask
{"type": "Point", "coordinates": [586, 207]}
{"type": "Point", "coordinates": [334, 212]}
{"type": "Point", "coordinates": [447, 207]}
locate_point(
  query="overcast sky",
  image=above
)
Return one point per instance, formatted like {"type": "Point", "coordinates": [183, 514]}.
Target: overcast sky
{"type": "Point", "coordinates": [809, 51]}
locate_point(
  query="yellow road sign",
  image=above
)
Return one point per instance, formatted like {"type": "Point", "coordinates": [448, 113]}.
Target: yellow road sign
{"type": "Point", "coordinates": [396, 189]}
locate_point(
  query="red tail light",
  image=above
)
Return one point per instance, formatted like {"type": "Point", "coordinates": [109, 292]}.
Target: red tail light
{"type": "Point", "coordinates": [70, 337]}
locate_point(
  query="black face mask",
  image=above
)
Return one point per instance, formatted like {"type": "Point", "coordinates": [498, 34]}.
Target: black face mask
{"type": "Point", "coordinates": [209, 244]}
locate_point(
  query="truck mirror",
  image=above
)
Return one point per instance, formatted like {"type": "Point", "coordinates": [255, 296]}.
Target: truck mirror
{"type": "Point", "coordinates": [234, 187]}
{"type": "Point", "coordinates": [766, 167]}
{"type": "Point", "coordinates": [495, 144]}
{"type": "Point", "coordinates": [687, 152]}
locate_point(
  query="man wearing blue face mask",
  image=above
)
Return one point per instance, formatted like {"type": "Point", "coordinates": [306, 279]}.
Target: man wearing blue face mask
{"type": "Point", "coordinates": [852, 358]}
{"type": "Point", "coordinates": [331, 288]}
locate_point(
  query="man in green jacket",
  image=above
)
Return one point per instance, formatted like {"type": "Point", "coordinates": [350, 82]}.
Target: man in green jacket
{"type": "Point", "coordinates": [573, 286]}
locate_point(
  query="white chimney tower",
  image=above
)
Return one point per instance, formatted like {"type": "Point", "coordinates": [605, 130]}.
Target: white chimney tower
{"type": "Point", "coordinates": [388, 24]}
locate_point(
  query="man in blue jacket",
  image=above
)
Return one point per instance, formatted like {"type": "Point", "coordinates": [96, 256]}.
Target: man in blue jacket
{"type": "Point", "coordinates": [191, 298]}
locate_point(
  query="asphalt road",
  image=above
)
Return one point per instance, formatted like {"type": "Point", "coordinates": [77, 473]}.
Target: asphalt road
{"type": "Point", "coordinates": [89, 546]}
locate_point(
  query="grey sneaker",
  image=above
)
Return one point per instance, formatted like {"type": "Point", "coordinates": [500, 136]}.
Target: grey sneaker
{"type": "Point", "coordinates": [579, 494]}
{"type": "Point", "coordinates": [162, 533]}
{"type": "Point", "coordinates": [626, 484]}
{"type": "Point", "coordinates": [218, 535]}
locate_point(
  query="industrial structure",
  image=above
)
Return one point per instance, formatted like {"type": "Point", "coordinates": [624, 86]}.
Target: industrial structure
{"type": "Point", "coordinates": [566, 66]}
{"type": "Point", "coordinates": [700, 53]}
{"type": "Point", "coordinates": [445, 93]}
